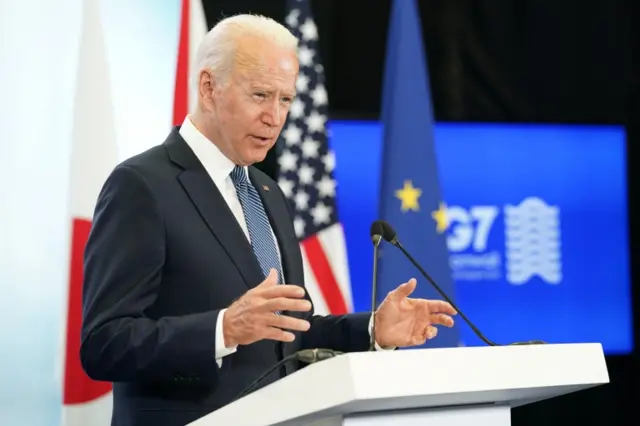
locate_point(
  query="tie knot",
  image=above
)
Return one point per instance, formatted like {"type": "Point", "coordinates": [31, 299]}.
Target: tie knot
{"type": "Point", "coordinates": [239, 176]}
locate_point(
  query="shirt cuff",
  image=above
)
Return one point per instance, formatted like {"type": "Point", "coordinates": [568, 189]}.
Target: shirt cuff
{"type": "Point", "coordinates": [221, 350]}
{"type": "Point", "coordinates": [378, 347]}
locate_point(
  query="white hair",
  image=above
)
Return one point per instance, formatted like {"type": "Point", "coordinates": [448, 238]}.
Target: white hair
{"type": "Point", "coordinates": [217, 51]}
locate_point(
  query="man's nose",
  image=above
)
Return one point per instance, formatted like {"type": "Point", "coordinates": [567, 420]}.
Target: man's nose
{"type": "Point", "coordinates": [273, 115]}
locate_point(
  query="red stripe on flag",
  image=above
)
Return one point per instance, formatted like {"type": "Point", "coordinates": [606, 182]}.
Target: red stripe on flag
{"type": "Point", "coordinates": [181, 89]}
{"type": "Point", "coordinates": [78, 387]}
{"type": "Point", "coordinates": [324, 275]}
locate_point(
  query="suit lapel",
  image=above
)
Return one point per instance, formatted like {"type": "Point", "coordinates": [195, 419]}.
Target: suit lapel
{"type": "Point", "coordinates": [213, 208]}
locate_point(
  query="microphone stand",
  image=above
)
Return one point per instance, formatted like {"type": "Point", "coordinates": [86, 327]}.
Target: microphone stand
{"type": "Point", "coordinates": [374, 289]}
{"type": "Point", "coordinates": [391, 237]}
{"type": "Point", "coordinates": [307, 356]}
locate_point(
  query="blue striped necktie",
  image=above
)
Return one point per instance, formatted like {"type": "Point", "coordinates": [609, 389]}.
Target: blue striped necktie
{"type": "Point", "coordinates": [262, 241]}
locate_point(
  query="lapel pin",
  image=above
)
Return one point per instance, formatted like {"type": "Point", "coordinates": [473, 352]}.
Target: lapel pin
{"type": "Point", "coordinates": [265, 187]}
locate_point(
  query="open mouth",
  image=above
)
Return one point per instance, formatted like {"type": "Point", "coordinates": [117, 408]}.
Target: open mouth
{"type": "Point", "coordinates": [261, 139]}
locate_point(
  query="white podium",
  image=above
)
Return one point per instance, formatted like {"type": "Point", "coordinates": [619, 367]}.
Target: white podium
{"type": "Point", "coordinates": [454, 387]}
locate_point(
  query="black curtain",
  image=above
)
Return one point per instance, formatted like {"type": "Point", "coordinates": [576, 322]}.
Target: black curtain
{"type": "Point", "coordinates": [498, 60]}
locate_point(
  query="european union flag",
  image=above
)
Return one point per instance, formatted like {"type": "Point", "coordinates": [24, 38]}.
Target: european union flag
{"type": "Point", "coordinates": [410, 198]}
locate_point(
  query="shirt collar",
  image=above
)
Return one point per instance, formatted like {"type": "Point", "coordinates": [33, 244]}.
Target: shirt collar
{"type": "Point", "coordinates": [217, 165]}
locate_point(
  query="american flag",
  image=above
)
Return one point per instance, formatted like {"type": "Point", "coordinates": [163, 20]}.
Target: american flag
{"type": "Point", "coordinates": [306, 177]}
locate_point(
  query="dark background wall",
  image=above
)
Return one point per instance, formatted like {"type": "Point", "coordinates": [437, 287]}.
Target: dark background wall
{"type": "Point", "coordinates": [563, 61]}
{"type": "Point", "coordinates": [498, 60]}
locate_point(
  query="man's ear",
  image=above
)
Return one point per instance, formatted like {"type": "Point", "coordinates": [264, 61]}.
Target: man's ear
{"type": "Point", "coordinates": [206, 87]}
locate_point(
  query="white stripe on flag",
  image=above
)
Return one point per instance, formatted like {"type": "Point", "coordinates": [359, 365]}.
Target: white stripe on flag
{"type": "Point", "coordinates": [319, 305]}
{"type": "Point", "coordinates": [197, 31]}
{"type": "Point", "coordinates": [334, 245]}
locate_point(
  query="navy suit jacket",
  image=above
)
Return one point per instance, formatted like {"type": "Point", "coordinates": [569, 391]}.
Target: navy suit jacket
{"type": "Point", "coordinates": [164, 256]}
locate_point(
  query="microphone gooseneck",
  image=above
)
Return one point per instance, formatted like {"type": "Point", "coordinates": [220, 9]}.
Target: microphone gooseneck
{"type": "Point", "coordinates": [390, 235]}
{"type": "Point", "coordinates": [308, 356]}
{"type": "Point", "coordinates": [376, 233]}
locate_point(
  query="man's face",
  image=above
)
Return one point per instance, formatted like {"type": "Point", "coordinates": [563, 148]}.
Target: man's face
{"type": "Point", "coordinates": [251, 106]}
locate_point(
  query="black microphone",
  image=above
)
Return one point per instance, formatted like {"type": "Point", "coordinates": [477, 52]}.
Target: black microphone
{"type": "Point", "coordinates": [376, 236]}
{"type": "Point", "coordinates": [308, 356]}
{"type": "Point", "coordinates": [389, 235]}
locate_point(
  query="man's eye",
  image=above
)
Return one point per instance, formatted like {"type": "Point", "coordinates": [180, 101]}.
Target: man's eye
{"type": "Point", "coordinates": [259, 95]}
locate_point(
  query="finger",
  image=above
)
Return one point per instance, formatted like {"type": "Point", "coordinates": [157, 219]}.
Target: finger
{"type": "Point", "coordinates": [404, 290]}
{"type": "Point", "coordinates": [441, 306]}
{"type": "Point", "coordinates": [283, 290]}
{"type": "Point", "coordinates": [272, 333]}
{"type": "Point", "coordinates": [428, 332]}
{"type": "Point", "coordinates": [431, 332]}
{"type": "Point", "coordinates": [442, 319]}
{"type": "Point", "coordinates": [286, 304]}
{"type": "Point", "coordinates": [419, 339]}
{"type": "Point", "coordinates": [270, 281]}
{"type": "Point", "coordinates": [287, 322]}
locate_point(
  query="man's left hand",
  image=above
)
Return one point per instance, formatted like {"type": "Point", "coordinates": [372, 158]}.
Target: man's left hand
{"type": "Point", "coordinates": [403, 321]}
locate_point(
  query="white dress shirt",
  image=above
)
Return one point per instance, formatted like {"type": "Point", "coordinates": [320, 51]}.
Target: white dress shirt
{"type": "Point", "coordinates": [219, 169]}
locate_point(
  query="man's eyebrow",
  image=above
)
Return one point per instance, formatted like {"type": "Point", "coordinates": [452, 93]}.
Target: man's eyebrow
{"type": "Point", "coordinates": [268, 88]}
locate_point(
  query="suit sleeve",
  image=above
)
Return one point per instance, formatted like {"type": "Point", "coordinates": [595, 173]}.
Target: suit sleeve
{"type": "Point", "coordinates": [124, 259]}
{"type": "Point", "coordinates": [344, 333]}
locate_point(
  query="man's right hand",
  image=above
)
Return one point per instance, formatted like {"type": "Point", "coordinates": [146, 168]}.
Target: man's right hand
{"type": "Point", "coordinates": [253, 317]}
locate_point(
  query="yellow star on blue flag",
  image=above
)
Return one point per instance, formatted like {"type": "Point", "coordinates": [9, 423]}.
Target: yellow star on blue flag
{"type": "Point", "coordinates": [440, 216]}
{"type": "Point", "coordinates": [409, 196]}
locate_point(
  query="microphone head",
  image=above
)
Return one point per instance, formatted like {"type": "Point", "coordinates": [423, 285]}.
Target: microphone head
{"type": "Point", "coordinates": [388, 233]}
{"type": "Point", "coordinates": [309, 356]}
{"type": "Point", "coordinates": [377, 231]}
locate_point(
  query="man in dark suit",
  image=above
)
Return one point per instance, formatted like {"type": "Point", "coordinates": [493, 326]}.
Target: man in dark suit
{"type": "Point", "coordinates": [194, 281]}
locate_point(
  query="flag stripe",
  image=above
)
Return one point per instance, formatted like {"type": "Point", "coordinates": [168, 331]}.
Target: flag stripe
{"type": "Point", "coordinates": [181, 92]}
{"type": "Point", "coordinates": [324, 274]}
{"type": "Point", "coordinates": [197, 31]}
{"type": "Point", "coordinates": [78, 388]}
{"type": "Point", "coordinates": [319, 305]}
{"type": "Point", "coordinates": [335, 248]}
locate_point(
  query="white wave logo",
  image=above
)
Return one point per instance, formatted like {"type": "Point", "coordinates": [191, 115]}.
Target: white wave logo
{"type": "Point", "coordinates": [532, 242]}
